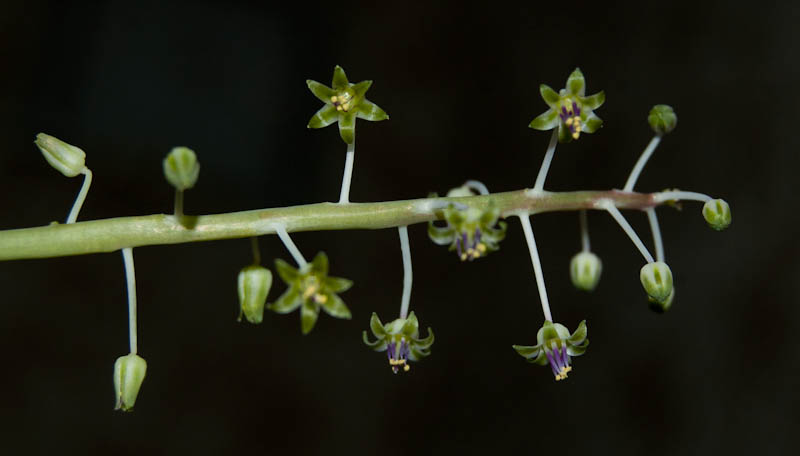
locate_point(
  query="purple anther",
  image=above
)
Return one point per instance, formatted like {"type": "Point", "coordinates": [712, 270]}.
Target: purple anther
{"type": "Point", "coordinates": [390, 351]}
{"type": "Point", "coordinates": [563, 112]}
{"type": "Point", "coordinates": [404, 350]}
{"type": "Point", "coordinates": [477, 237]}
{"type": "Point", "coordinates": [576, 109]}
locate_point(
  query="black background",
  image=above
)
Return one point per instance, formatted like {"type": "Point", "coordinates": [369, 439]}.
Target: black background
{"type": "Point", "coordinates": [126, 81]}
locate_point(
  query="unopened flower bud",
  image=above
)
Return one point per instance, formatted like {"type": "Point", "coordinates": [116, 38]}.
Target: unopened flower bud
{"type": "Point", "coordinates": [657, 280]}
{"type": "Point", "coordinates": [717, 214]}
{"type": "Point", "coordinates": [129, 373]}
{"type": "Point", "coordinates": [662, 119]}
{"type": "Point", "coordinates": [181, 168]}
{"type": "Point", "coordinates": [253, 284]}
{"type": "Point", "coordinates": [585, 269]}
{"type": "Point", "coordinates": [662, 306]}
{"type": "Point", "coordinates": [66, 158]}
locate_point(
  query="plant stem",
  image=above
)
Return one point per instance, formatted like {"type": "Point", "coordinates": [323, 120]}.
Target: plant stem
{"type": "Point", "coordinates": [629, 231]}
{"type": "Point", "coordinates": [691, 196]}
{"type": "Point", "coordinates": [78, 204]}
{"type": "Point", "coordinates": [537, 265]}
{"type": "Point", "coordinates": [130, 277]}
{"type": "Point", "coordinates": [651, 216]}
{"type": "Point", "coordinates": [637, 169]}
{"type": "Point", "coordinates": [109, 235]}
{"type": "Point", "coordinates": [407, 272]}
{"type": "Point", "coordinates": [280, 230]}
{"type": "Point", "coordinates": [344, 196]}
{"type": "Point", "coordinates": [548, 158]}
{"type": "Point", "coordinates": [585, 246]}
{"type": "Point", "coordinates": [478, 186]}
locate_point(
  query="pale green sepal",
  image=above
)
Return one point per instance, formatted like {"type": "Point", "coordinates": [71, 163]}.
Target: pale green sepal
{"type": "Point", "coordinates": [591, 124]}
{"type": "Point", "coordinates": [378, 345]}
{"type": "Point", "coordinates": [347, 127]}
{"type": "Point", "coordinates": [576, 84]}
{"type": "Point", "coordinates": [549, 331]}
{"type": "Point", "coordinates": [593, 101]}
{"type": "Point", "coordinates": [656, 279]}
{"type": "Point", "coordinates": [550, 96]}
{"type": "Point", "coordinates": [564, 135]}
{"type": "Point", "coordinates": [416, 354]}
{"type": "Point", "coordinates": [321, 91]}
{"type": "Point", "coordinates": [286, 272]}
{"type": "Point", "coordinates": [540, 360]}
{"type": "Point", "coordinates": [426, 342]}
{"type": "Point", "coordinates": [662, 119]}
{"type": "Point", "coordinates": [181, 168]}
{"type": "Point", "coordinates": [527, 351]}
{"type": "Point", "coordinates": [289, 301]}
{"type": "Point", "coordinates": [325, 116]}
{"type": "Point", "coordinates": [308, 317]}
{"type": "Point", "coordinates": [439, 235]}
{"type": "Point", "coordinates": [340, 81]}
{"type": "Point", "coordinates": [545, 121]}
{"type": "Point", "coordinates": [66, 158]}
{"type": "Point", "coordinates": [253, 285]}
{"type": "Point", "coordinates": [338, 284]}
{"type": "Point", "coordinates": [577, 350]}
{"type": "Point", "coordinates": [411, 326]}
{"type": "Point", "coordinates": [335, 307]}
{"type": "Point", "coordinates": [717, 214]}
{"type": "Point", "coordinates": [376, 326]}
{"type": "Point", "coordinates": [129, 372]}
{"type": "Point", "coordinates": [584, 270]}
{"type": "Point", "coordinates": [368, 110]}
{"type": "Point", "coordinates": [579, 336]}
{"type": "Point", "coordinates": [361, 88]}
{"type": "Point", "coordinates": [319, 265]}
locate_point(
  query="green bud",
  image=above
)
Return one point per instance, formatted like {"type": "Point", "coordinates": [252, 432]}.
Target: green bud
{"type": "Point", "coordinates": [253, 284]}
{"type": "Point", "coordinates": [585, 269]}
{"type": "Point", "coordinates": [717, 214]}
{"type": "Point", "coordinates": [662, 306]}
{"type": "Point", "coordinates": [129, 373]}
{"type": "Point", "coordinates": [181, 168]}
{"type": "Point", "coordinates": [662, 119]}
{"type": "Point", "coordinates": [657, 280]}
{"type": "Point", "coordinates": [66, 158]}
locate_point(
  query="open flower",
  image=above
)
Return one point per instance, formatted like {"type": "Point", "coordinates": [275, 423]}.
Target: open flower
{"type": "Point", "coordinates": [400, 339]}
{"type": "Point", "coordinates": [556, 345]}
{"type": "Point", "coordinates": [471, 232]}
{"type": "Point", "coordinates": [310, 288]}
{"type": "Point", "coordinates": [343, 103]}
{"type": "Point", "coordinates": [570, 110]}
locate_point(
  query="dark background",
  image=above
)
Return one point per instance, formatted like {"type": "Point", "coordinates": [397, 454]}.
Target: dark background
{"type": "Point", "coordinates": [126, 81]}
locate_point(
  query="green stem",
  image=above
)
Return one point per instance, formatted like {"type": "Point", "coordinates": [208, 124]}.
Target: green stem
{"type": "Point", "coordinates": [113, 234]}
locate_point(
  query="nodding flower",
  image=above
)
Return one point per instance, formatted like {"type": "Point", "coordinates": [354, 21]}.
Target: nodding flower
{"type": "Point", "coordinates": [556, 346]}
{"type": "Point", "coordinates": [400, 339]}
{"type": "Point", "coordinates": [471, 232]}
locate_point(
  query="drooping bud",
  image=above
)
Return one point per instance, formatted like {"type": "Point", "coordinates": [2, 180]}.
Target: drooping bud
{"type": "Point", "coordinates": [129, 371]}
{"type": "Point", "coordinates": [66, 158]}
{"type": "Point", "coordinates": [585, 269]}
{"type": "Point", "coordinates": [181, 168]}
{"type": "Point", "coordinates": [717, 214]}
{"type": "Point", "coordinates": [662, 306]}
{"type": "Point", "coordinates": [662, 119]}
{"type": "Point", "coordinates": [253, 285]}
{"type": "Point", "coordinates": [656, 279]}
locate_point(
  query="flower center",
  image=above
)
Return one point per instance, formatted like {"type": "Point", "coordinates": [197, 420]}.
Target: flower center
{"type": "Point", "coordinates": [559, 360]}
{"type": "Point", "coordinates": [470, 247]}
{"type": "Point", "coordinates": [311, 289]}
{"type": "Point", "coordinates": [398, 355]}
{"type": "Point", "coordinates": [343, 101]}
{"type": "Point", "coordinates": [571, 116]}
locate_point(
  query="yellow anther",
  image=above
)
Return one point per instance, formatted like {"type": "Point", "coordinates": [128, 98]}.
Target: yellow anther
{"type": "Point", "coordinates": [346, 106]}
{"type": "Point", "coordinates": [576, 135]}
{"type": "Point", "coordinates": [338, 108]}
{"type": "Point", "coordinates": [577, 124]}
{"type": "Point", "coordinates": [334, 98]}
{"type": "Point", "coordinates": [481, 247]}
{"type": "Point", "coordinates": [568, 121]}
{"type": "Point", "coordinates": [320, 298]}
{"type": "Point", "coordinates": [463, 256]}
{"type": "Point", "coordinates": [406, 368]}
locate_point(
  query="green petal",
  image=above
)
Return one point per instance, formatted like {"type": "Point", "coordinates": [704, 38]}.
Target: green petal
{"type": "Point", "coordinates": [453, 216]}
{"type": "Point", "coordinates": [545, 121]}
{"type": "Point", "coordinates": [591, 124]}
{"type": "Point", "coordinates": [426, 342]}
{"type": "Point", "coordinates": [378, 345]}
{"type": "Point", "coordinates": [416, 355]}
{"type": "Point", "coordinates": [335, 307]}
{"type": "Point", "coordinates": [527, 351]}
{"type": "Point", "coordinates": [490, 215]}
{"type": "Point", "coordinates": [338, 284]}
{"type": "Point", "coordinates": [541, 359]}
{"type": "Point", "coordinates": [579, 335]}
{"type": "Point", "coordinates": [368, 110]}
{"type": "Point", "coordinates": [288, 302]}
{"type": "Point", "coordinates": [593, 101]}
{"type": "Point", "coordinates": [361, 88]}
{"type": "Point", "coordinates": [411, 327]}
{"type": "Point", "coordinates": [324, 117]}
{"type": "Point", "coordinates": [347, 127]}
{"type": "Point", "coordinates": [339, 79]}
{"type": "Point", "coordinates": [287, 273]}
{"type": "Point", "coordinates": [549, 95]}
{"type": "Point", "coordinates": [440, 236]}
{"type": "Point", "coordinates": [578, 350]}
{"type": "Point", "coordinates": [319, 265]}
{"type": "Point", "coordinates": [576, 84]}
{"type": "Point", "coordinates": [321, 91]}
{"type": "Point", "coordinates": [549, 332]}
{"type": "Point", "coordinates": [376, 326]}
{"type": "Point", "coordinates": [564, 135]}
{"type": "Point", "coordinates": [308, 317]}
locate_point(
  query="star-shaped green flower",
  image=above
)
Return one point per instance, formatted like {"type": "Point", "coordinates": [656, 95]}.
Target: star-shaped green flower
{"type": "Point", "coordinates": [570, 110]}
{"type": "Point", "coordinates": [310, 288]}
{"type": "Point", "coordinates": [400, 339]}
{"type": "Point", "coordinates": [343, 103]}
{"type": "Point", "coordinates": [556, 345]}
{"type": "Point", "coordinates": [471, 232]}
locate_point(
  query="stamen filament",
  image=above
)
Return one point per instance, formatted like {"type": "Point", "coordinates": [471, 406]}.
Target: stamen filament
{"type": "Point", "coordinates": [537, 266]}
{"type": "Point", "coordinates": [607, 205]}
{"type": "Point", "coordinates": [344, 196]}
{"type": "Point", "coordinates": [637, 169]}
{"type": "Point", "coordinates": [130, 278]}
{"type": "Point", "coordinates": [287, 242]}
{"type": "Point", "coordinates": [405, 247]}
{"type": "Point", "coordinates": [76, 206]}
{"type": "Point", "coordinates": [651, 216]}
{"type": "Point", "coordinates": [548, 158]}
